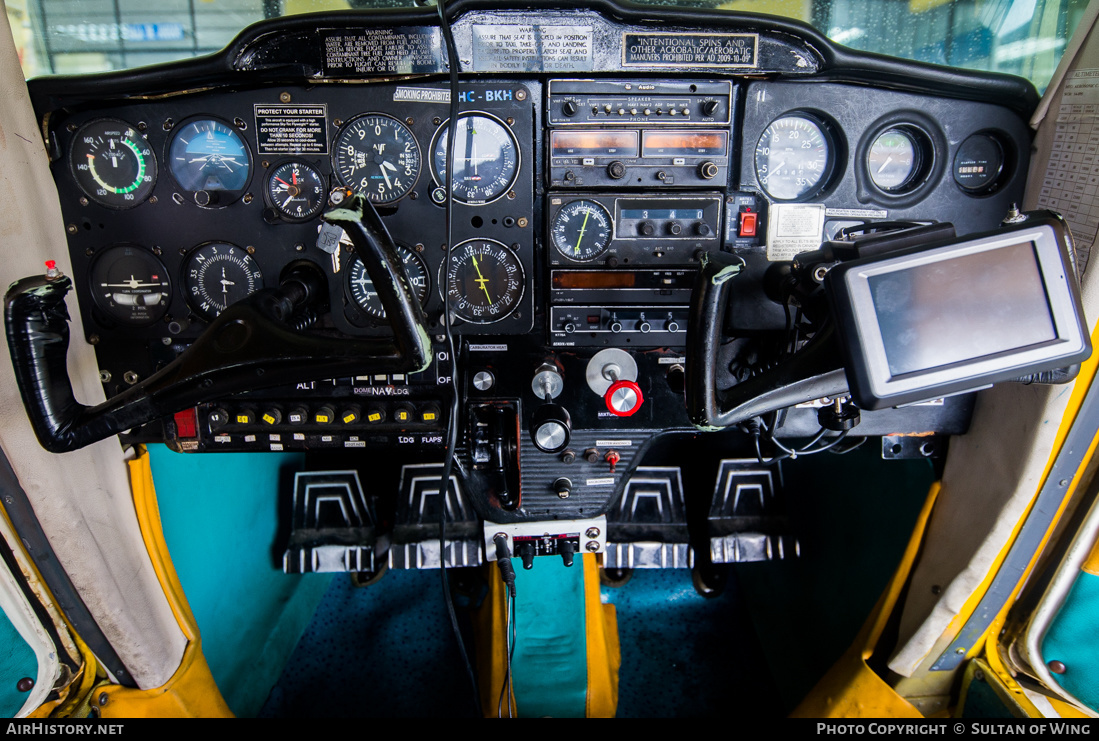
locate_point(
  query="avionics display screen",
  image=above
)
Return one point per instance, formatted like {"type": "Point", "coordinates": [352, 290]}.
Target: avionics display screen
{"type": "Point", "coordinates": [684, 143]}
{"type": "Point", "coordinates": [593, 143]}
{"type": "Point", "coordinates": [956, 316]}
{"type": "Point", "coordinates": [969, 307]}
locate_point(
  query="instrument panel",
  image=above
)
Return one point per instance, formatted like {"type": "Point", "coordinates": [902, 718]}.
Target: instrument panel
{"type": "Point", "coordinates": [582, 204]}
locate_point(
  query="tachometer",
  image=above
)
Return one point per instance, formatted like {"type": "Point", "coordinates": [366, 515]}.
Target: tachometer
{"type": "Point", "coordinates": [130, 285]}
{"type": "Point", "coordinates": [209, 157]}
{"type": "Point", "coordinates": [296, 190]}
{"type": "Point", "coordinates": [794, 158]}
{"type": "Point", "coordinates": [485, 281]}
{"type": "Point", "coordinates": [486, 158]}
{"type": "Point", "coordinates": [378, 156]}
{"type": "Point", "coordinates": [218, 274]}
{"type": "Point", "coordinates": [581, 230]}
{"type": "Point", "coordinates": [362, 290]}
{"type": "Point", "coordinates": [112, 163]}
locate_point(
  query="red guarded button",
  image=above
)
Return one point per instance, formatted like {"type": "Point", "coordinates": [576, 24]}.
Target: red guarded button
{"type": "Point", "coordinates": [185, 423]}
{"type": "Point", "coordinates": [748, 223]}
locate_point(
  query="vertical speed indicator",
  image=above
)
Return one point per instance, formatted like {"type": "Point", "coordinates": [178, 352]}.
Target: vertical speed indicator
{"type": "Point", "coordinates": [794, 158]}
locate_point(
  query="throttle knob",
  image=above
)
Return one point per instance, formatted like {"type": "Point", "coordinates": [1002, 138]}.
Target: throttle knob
{"type": "Point", "coordinates": [623, 398]}
{"type": "Point", "coordinates": [551, 428]}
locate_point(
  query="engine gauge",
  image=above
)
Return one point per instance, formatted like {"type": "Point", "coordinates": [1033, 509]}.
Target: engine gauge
{"type": "Point", "coordinates": [794, 158]}
{"type": "Point", "coordinates": [581, 230]}
{"type": "Point", "coordinates": [484, 279]}
{"type": "Point", "coordinates": [979, 163]}
{"type": "Point", "coordinates": [361, 288]}
{"type": "Point", "coordinates": [130, 285]}
{"type": "Point", "coordinates": [894, 160]}
{"type": "Point", "coordinates": [378, 156]}
{"type": "Point", "coordinates": [209, 156]}
{"type": "Point", "coordinates": [296, 190]}
{"type": "Point", "coordinates": [218, 274]}
{"type": "Point", "coordinates": [486, 158]}
{"type": "Point", "coordinates": [112, 163]}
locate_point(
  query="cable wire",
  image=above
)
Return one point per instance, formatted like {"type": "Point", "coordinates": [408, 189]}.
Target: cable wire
{"type": "Point", "coordinates": [452, 425]}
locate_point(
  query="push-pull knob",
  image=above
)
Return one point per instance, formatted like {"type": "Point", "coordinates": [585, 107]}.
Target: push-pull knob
{"type": "Point", "coordinates": [551, 428]}
{"type": "Point", "coordinates": [623, 398]}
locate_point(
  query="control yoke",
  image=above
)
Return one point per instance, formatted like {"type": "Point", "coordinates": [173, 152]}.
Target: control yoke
{"type": "Point", "coordinates": [250, 345]}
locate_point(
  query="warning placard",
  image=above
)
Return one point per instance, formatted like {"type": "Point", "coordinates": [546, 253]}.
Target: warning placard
{"type": "Point", "coordinates": [695, 49]}
{"type": "Point", "coordinates": [291, 129]}
{"type": "Point", "coordinates": [543, 48]}
{"type": "Point", "coordinates": [386, 50]}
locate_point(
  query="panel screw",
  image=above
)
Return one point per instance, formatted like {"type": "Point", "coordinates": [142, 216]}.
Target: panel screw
{"type": "Point", "coordinates": [89, 252]}
{"type": "Point", "coordinates": [168, 124]}
{"type": "Point", "coordinates": [70, 127]}
{"type": "Point", "coordinates": [141, 126]}
{"type": "Point", "coordinates": [410, 120]}
{"type": "Point", "coordinates": [419, 246]}
{"type": "Point", "coordinates": [103, 698]}
{"type": "Point", "coordinates": [250, 250]}
{"type": "Point", "coordinates": [152, 199]}
{"type": "Point", "coordinates": [936, 589]}
{"type": "Point", "coordinates": [130, 377]}
{"type": "Point", "coordinates": [264, 164]}
{"type": "Point", "coordinates": [1057, 667]}
{"type": "Point", "coordinates": [83, 201]}
{"type": "Point", "coordinates": [520, 94]}
{"type": "Point", "coordinates": [240, 123]}
{"type": "Point", "coordinates": [522, 222]}
{"type": "Point", "coordinates": [510, 121]}
{"type": "Point", "coordinates": [71, 228]}
{"type": "Point", "coordinates": [104, 376]}
{"type": "Point", "coordinates": [157, 251]}
{"type": "Point", "coordinates": [247, 198]}
{"type": "Point", "coordinates": [93, 339]}
{"type": "Point", "coordinates": [436, 120]}
{"type": "Point", "coordinates": [592, 532]}
{"type": "Point", "coordinates": [284, 97]}
{"type": "Point", "coordinates": [592, 545]}
{"type": "Point", "coordinates": [26, 684]}
{"type": "Point", "coordinates": [337, 122]}
{"type": "Point", "coordinates": [511, 195]}
{"type": "Point", "coordinates": [299, 247]}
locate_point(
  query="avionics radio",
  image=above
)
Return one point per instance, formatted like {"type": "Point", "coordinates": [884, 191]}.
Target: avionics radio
{"type": "Point", "coordinates": [622, 267]}
{"type": "Point", "coordinates": [639, 134]}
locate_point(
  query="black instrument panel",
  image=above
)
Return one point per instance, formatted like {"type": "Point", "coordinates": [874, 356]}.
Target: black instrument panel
{"type": "Point", "coordinates": [582, 203]}
{"type": "Point", "coordinates": [243, 177]}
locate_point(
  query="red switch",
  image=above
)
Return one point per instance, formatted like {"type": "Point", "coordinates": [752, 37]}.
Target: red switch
{"type": "Point", "coordinates": [186, 426]}
{"type": "Point", "coordinates": [748, 223]}
{"type": "Point", "coordinates": [612, 457]}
